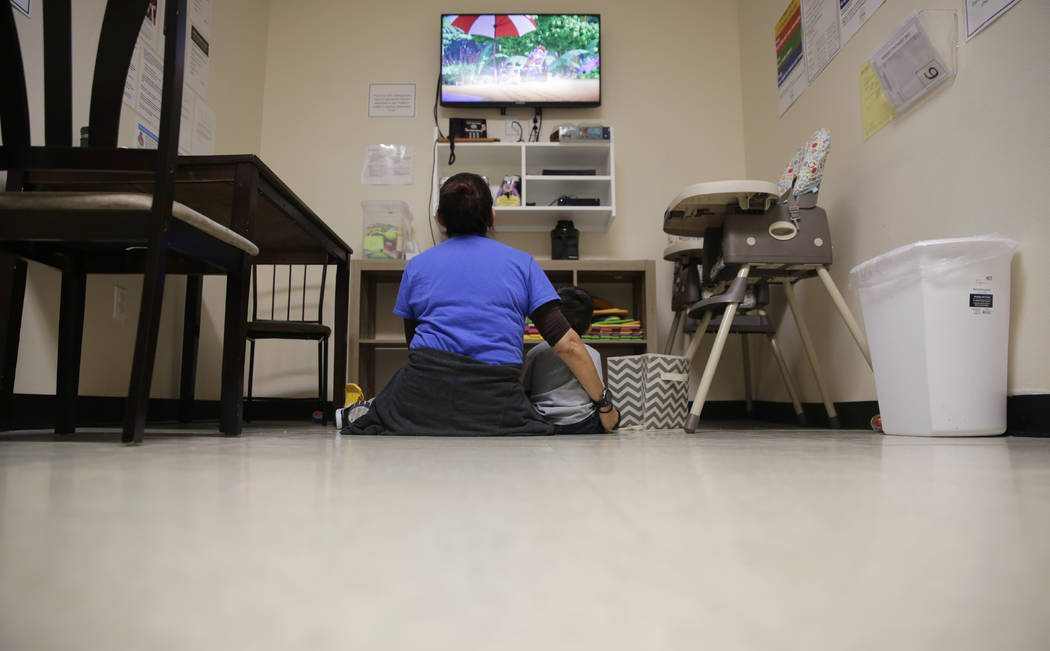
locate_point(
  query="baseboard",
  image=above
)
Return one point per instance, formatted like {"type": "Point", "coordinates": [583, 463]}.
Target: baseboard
{"type": "Point", "coordinates": [35, 411]}
{"type": "Point", "coordinates": [852, 415]}
{"type": "Point", "coordinates": [1027, 415]}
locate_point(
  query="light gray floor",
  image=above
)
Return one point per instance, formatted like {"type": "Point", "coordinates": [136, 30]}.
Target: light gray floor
{"type": "Point", "coordinates": [733, 538]}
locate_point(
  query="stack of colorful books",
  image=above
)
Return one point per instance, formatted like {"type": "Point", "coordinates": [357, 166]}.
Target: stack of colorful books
{"type": "Point", "coordinates": [610, 324]}
{"type": "Point", "coordinates": [531, 333]}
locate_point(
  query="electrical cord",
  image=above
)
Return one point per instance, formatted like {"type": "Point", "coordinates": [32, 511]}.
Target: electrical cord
{"type": "Point", "coordinates": [430, 200]}
{"type": "Point", "coordinates": [537, 122]}
{"type": "Point", "coordinates": [433, 172]}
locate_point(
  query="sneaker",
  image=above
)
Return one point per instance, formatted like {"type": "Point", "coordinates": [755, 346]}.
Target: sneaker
{"type": "Point", "coordinates": [351, 413]}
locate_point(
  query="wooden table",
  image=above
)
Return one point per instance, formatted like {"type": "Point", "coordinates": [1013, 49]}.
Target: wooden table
{"type": "Point", "coordinates": [242, 193]}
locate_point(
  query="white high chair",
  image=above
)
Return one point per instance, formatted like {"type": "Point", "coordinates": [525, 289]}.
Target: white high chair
{"type": "Point", "coordinates": [754, 233]}
{"type": "Point", "coordinates": [750, 319]}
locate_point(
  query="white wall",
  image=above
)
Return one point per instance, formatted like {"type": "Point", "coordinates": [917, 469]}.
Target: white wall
{"type": "Point", "coordinates": [671, 88]}
{"type": "Point", "coordinates": [971, 159]}
{"type": "Point", "coordinates": [237, 54]}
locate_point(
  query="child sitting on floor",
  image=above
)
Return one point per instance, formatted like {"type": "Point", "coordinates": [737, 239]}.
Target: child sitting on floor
{"type": "Point", "coordinates": [553, 389]}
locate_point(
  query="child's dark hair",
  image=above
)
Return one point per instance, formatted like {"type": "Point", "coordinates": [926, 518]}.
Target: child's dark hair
{"type": "Point", "coordinates": [578, 308]}
{"type": "Point", "coordinates": [465, 205]}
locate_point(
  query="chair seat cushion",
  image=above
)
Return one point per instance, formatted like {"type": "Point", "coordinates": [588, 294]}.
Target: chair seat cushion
{"type": "Point", "coordinates": [119, 201]}
{"type": "Point", "coordinates": [262, 329]}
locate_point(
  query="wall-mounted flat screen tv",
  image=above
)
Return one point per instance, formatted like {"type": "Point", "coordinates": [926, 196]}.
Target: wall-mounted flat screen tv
{"type": "Point", "coordinates": [521, 60]}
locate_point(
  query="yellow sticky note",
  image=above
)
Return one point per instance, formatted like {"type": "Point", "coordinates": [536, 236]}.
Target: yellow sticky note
{"type": "Point", "coordinates": [875, 110]}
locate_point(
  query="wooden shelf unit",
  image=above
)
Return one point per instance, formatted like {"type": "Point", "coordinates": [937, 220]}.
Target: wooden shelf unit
{"type": "Point", "coordinates": [375, 332]}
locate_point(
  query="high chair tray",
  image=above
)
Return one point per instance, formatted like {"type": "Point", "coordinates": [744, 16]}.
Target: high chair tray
{"type": "Point", "coordinates": [684, 250]}
{"type": "Point", "coordinates": [705, 205]}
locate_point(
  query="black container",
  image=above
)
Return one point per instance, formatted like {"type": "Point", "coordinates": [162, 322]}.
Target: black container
{"type": "Point", "coordinates": [565, 241]}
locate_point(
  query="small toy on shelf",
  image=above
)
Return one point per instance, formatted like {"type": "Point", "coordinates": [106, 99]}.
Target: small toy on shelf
{"type": "Point", "coordinates": [509, 191]}
{"type": "Point", "coordinates": [384, 242]}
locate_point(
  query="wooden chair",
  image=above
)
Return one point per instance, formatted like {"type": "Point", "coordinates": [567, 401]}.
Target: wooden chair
{"type": "Point", "coordinates": [82, 231]}
{"type": "Point", "coordinates": [295, 288]}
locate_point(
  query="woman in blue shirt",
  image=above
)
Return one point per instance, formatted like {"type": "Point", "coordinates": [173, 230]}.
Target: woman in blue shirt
{"type": "Point", "coordinates": [464, 304]}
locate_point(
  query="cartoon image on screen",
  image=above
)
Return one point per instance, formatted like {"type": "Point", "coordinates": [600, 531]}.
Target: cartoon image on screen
{"type": "Point", "coordinates": [501, 59]}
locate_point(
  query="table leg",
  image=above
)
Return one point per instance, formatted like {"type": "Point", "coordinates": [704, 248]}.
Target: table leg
{"type": "Point", "coordinates": [191, 335]}
{"type": "Point", "coordinates": [342, 309]}
{"type": "Point", "coordinates": [235, 329]}
{"type": "Point", "coordinates": [12, 297]}
{"type": "Point", "coordinates": [234, 336]}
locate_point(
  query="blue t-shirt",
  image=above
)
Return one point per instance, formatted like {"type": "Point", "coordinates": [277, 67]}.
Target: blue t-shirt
{"type": "Point", "coordinates": [470, 295]}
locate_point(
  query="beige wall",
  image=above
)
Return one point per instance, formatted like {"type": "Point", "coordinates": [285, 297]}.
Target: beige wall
{"type": "Point", "coordinates": [690, 89]}
{"type": "Point", "coordinates": [671, 89]}
{"type": "Point", "coordinates": [969, 160]}
{"type": "Point", "coordinates": [238, 48]}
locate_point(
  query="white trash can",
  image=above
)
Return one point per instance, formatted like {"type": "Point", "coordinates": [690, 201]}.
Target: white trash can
{"type": "Point", "coordinates": [937, 316]}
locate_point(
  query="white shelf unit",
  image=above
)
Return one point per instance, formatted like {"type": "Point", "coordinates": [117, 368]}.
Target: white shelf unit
{"type": "Point", "coordinates": [494, 160]}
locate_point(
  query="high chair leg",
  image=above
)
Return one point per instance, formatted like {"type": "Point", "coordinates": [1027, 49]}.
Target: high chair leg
{"type": "Point", "coordinates": [698, 336]}
{"type": "Point", "coordinates": [800, 416]}
{"type": "Point", "coordinates": [693, 420]}
{"type": "Point", "coordinates": [811, 353]}
{"type": "Point", "coordinates": [745, 353]}
{"type": "Point", "coordinates": [673, 334]}
{"type": "Point", "coordinates": [847, 315]}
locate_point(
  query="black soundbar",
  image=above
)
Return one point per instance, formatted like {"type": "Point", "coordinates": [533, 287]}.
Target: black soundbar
{"type": "Point", "coordinates": [570, 172]}
{"type": "Point", "coordinates": [578, 201]}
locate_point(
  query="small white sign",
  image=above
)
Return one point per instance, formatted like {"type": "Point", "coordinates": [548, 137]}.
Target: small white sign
{"type": "Point", "coordinates": [391, 100]}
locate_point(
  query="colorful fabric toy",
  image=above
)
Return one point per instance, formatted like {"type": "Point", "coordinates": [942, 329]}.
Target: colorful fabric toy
{"type": "Point", "coordinates": [806, 169]}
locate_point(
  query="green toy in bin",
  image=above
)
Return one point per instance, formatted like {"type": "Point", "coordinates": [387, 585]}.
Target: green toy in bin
{"type": "Point", "coordinates": [387, 230]}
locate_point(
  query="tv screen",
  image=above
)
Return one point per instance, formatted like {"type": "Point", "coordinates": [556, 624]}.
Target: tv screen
{"type": "Point", "coordinates": [521, 60]}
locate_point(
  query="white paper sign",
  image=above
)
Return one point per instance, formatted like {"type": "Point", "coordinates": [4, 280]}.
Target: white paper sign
{"type": "Point", "coordinates": [131, 83]}
{"type": "Point", "coordinates": [150, 88]}
{"type": "Point", "coordinates": [820, 34]}
{"type": "Point", "coordinates": [203, 129]}
{"type": "Point", "coordinates": [186, 121]}
{"type": "Point", "coordinates": [391, 100]}
{"type": "Point", "coordinates": [197, 70]}
{"type": "Point", "coordinates": [150, 30]}
{"type": "Point", "coordinates": [791, 69]}
{"type": "Point", "coordinates": [853, 14]}
{"type": "Point", "coordinates": [145, 139]}
{"type": "Point", "coordinates": [200, 15]}
{"type": "Point", "coordinates": [22, 5]}
{"type": "Point", "coordinates": [908, 65]}
{"type": "Point", "coordinates": [982, 13]}
{"type": "Point", "coordinates": [387, 165]}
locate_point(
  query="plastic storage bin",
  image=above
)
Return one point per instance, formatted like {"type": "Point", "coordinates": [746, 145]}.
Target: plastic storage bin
{"type": "Point", "coordinates": [937, 315]}
{"type": "Point", "coordinates": [387, 227]}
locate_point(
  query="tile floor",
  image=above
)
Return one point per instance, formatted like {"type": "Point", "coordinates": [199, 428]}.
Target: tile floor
{"type": "Point", "coordinates": [291, 537]}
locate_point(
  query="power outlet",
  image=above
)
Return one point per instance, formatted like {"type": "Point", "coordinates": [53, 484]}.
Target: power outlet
{"type": "Point", "coordinates": [120, 303]}
{"type": "Point", "coordinates": [510, 128]}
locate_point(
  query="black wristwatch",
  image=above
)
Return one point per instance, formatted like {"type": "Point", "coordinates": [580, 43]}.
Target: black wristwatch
{"type": "Point", "coordinates": [603, 405]}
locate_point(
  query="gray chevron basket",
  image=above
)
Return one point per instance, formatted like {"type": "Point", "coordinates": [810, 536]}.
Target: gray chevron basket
{"type": "Point", "coordinates": [650, 391]}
